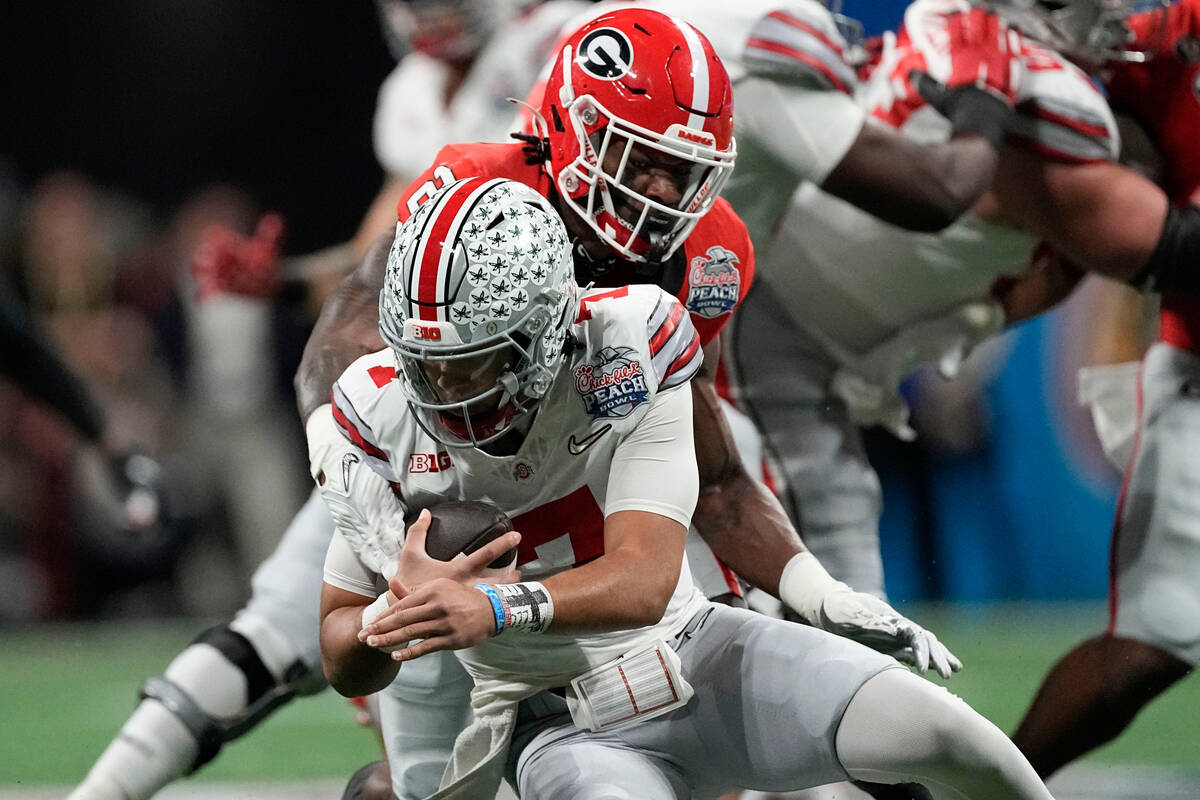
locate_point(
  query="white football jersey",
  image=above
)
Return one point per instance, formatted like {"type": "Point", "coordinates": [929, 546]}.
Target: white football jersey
{"type": "Point", "coordinates": [412, 118]}
{"type": "Point", "coordinates": [793, 95]}
{"type": "Point", "coordinates": [595, 447]}
{"type": "Point", "coordinates": [855, 281]}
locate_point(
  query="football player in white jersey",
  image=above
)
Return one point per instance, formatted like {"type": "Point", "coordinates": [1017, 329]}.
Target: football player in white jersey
{"type": "Point", "coordinates": [610, 672]}
{"type": "Point", "coordinates": [846, 305]}
{"type": "Point", "coordinates": [448, 83]}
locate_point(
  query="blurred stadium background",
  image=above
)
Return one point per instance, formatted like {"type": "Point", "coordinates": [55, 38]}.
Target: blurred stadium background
{"type": "Point", "coordinates": [128, 124]}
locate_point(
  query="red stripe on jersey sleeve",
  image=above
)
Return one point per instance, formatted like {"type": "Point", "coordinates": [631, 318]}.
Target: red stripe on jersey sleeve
{"type": "Point", "coordinates": [1088, 129]}
{"type": "Point", "coordinates": [802, 57]}
{"type": "Point", "coordinates": [665, 330]}
{"type": "Point", "coordinates": [801, 25]}
{"type": "Point", "coordinates": [684, 358]}
{"type": "Point", "coordinates": [1052, 152]}
{"type": "Point", "coordinates": [355, 437]}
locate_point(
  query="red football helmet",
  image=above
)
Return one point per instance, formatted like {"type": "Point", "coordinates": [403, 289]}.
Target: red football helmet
{"type": "Point", "coordinates": [639, 116]}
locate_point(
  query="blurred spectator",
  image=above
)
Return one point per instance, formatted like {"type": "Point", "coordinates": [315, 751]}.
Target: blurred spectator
{"type": "Point", "coordinates": [244, 453]}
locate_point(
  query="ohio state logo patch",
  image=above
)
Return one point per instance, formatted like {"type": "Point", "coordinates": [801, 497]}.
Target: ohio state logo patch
{"type": "Point", "coordinates": [714, 283]}
{"type": "Point", "coordinates": [613, 384]}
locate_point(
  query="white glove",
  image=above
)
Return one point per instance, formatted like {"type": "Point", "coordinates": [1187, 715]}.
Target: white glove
{"type": "Point", "coordinates": [833, 606]}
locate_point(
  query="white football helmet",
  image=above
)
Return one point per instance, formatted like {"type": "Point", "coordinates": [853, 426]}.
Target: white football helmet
{"type": "Point", "coordinates": [1089, 32]}
{"type": "Point", "coordinates": [477, 301]}
{"type": "Point", "coordinates": [450, 30]}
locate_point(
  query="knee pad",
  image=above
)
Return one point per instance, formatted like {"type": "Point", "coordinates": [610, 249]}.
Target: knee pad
{"type": "Point", "coordinates": [220, 687]}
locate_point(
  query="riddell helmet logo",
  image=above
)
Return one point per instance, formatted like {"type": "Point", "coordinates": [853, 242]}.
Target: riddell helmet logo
{"type": "Point", "coordinates": [692, 136]}
{"type": "Point", "coordinates": [605, 53]}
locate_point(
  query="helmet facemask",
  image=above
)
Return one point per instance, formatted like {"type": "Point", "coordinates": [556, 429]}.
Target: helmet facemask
{"type": "Point", "coordinates": [478, 347]}
{"type": "Point", "coordinates": [601, 184]}
{"type": "Point", "coordinates": [1089, 32]}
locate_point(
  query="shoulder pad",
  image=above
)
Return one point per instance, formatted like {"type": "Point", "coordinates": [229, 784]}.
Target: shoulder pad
{"type": "Point", "coordinates": [355, 397]}
{"type": "Point", "coordinates": [799, 43]}
{"type": "Point", "coordinates": [1060, 112]}
{"type": "Point", "coordinates": [649, 320]}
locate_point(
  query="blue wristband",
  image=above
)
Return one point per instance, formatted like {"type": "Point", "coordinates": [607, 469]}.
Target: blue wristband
{"type": "Point", "coordinates": [497, 604]}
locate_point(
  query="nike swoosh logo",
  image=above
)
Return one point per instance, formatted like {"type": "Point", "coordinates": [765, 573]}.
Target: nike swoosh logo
{"type": "Point", "coordinates": [577, 446]}
{"type": "Point", "coordinates": [347, 460]}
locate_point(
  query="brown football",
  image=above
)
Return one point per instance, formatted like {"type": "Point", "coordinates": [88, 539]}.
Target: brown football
{"type": "Point", "coordinates": [464, 526]}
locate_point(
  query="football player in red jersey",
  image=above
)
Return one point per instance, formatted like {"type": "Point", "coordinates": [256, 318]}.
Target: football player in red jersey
{"type": "Point", "coordinates": [1153, 637]}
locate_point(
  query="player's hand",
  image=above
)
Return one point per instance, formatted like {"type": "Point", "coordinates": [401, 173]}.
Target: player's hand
{"type": "Point", "coordinates": [444, 614]}
{"type": "Point", "coordinates": [964, 47]}
{"type": "Point", "coordinates": [225, 262]}
{"type": "Point", "coordinates": [868, 620]}
{"type": "Point", "coordinates": [417, 567]}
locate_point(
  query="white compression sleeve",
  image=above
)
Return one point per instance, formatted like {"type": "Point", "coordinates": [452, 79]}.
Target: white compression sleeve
{"type": "Point", "coordinates": [900, 728]}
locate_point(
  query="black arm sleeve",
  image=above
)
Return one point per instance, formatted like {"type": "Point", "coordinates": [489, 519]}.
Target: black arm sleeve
{"type": "Point", "coordinates": [27, 359]}
{"type": "Point", "coordinates": [1174, 266]}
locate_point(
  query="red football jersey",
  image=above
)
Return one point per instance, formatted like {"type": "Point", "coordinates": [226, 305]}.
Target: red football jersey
{"type": "Point", "coordinates": [1163, 94]}
{"type": "Point", "coordinates": [710, 273]}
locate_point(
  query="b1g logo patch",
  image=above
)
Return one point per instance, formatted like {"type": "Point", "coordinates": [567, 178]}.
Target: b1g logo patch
{"type": "Point", "coordinates": [605, 53]}
{"type": "Point", "coordinates": [613, 384]}
{"type": "Point", "coordinates": [429, 462]}
{"type": "Point", "coordinates": [714, 283]}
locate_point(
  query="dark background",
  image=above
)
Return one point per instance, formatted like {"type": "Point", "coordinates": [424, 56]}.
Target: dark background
{"type": "Point", "coordinates": [160, 97]}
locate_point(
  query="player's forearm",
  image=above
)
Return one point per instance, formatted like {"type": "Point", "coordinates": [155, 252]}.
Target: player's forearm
{"type": "Point", "coordinates": [352, 668]}
{"type": "Point", "coordinates": [1101, 216]}
{"type": "Point", "coordinates": [630, 585]}
{"type": "Point", "coordinates": [915, 186]}
{"type": "Point", "coordinates": [346, 329]}
{"type": "Point", "coordinates": [747, 528]}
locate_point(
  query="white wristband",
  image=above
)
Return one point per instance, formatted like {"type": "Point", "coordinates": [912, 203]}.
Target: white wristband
{"type": "Point", "coordinates": [804, 584]}
{"type": "Point", "coordinates": [372, 612]}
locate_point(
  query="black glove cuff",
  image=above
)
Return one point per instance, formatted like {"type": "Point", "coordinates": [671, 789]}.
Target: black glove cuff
{"type": "Point", "coordinates": [1175, 264]}
{"type": "Point", "coordinates": [978, 111]}
{"type": "Point", "coordinates": [968, 108]}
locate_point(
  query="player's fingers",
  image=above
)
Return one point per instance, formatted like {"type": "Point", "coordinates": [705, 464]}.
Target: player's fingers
{"type": "Point", "coordinates": [938, 656]}
{"type": "Point", "coordinates": [423, 647]}
{"type": "Point", "coordinates": [956, 665]}
{"type": "Point", "coordinates": [406, 634]}
{"type": "Point", "coordinates": [919, 641]}
{"type": "Point", "coordinates": [485, 555]}
{"type": "Point", "coordinates": [397, 588]}
{"type": "Point", "coordinates": [414, 539]}
{"type": "Point", "coordinates": [400, 614]}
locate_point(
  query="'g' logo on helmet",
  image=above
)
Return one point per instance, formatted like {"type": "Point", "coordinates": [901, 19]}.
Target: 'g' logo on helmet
{"type": "Point", "coordinates": [605, 53]}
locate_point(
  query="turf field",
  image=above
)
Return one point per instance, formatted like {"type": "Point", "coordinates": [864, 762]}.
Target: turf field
{"type": "Point", "coordinates": [68, 688]}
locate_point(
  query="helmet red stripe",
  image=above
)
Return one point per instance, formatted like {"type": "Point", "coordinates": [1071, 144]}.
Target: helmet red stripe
{"type": "Point", "coordinates": [434, 258]}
